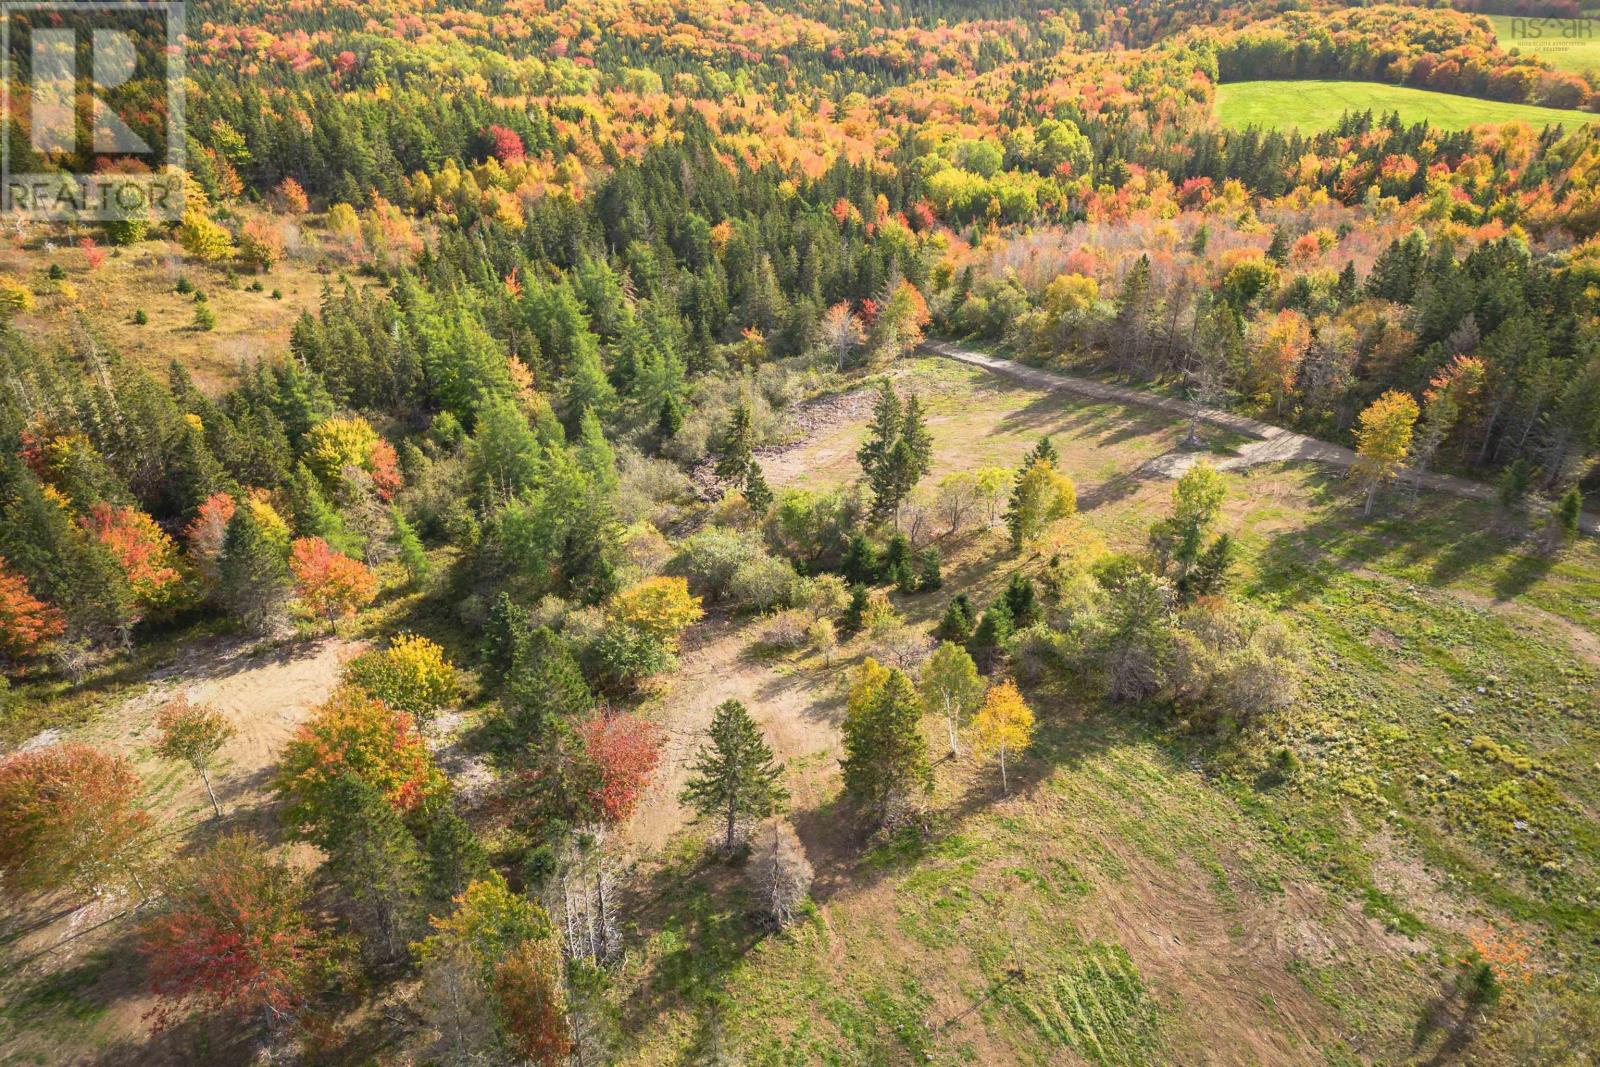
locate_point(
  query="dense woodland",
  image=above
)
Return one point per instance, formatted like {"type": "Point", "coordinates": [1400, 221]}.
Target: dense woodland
{"type": "Point", "coordinates": [592, 253]}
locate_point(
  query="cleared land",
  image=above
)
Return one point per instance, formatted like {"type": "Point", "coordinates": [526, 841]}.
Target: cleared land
{"type": "Point", "coordinates": [1316, 105]}
{"type": "Point", "coordinates": [1146, 894]}
{"type": "Point", "coordinates": [1566, 44]}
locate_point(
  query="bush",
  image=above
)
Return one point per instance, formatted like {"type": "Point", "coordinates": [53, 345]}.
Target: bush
{"type": "Point", "coordinates": [622, 658]}
{"type": "Point", "coordinates": [710, 558]}
{"type": "Point", "coordinates": [788, 630]}
{"type": "Point", "coordinates": [765, 583]}
{"type": "Point", "coordinates": [412, 675]}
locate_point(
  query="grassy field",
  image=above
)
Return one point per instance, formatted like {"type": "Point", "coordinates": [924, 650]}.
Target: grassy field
{"type": "Point", "coordinates": [1151, 896]}
{"type": "Point", "coordinates": [1566, 44]}
{"type": "Point", "coordinates": [1316, 105]}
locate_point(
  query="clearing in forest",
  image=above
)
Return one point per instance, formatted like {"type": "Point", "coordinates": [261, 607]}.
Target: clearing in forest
{"type": "Point", "coordinates": [1313, 105]}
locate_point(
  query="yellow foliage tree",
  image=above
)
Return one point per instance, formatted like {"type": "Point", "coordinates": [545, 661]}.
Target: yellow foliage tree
{"type": "Point", "coordinates": [1382, 440]}
{"type": "Point", "coordinates": [334, 444]}
{"type": "Point", "coordinates": [661, 607]}
{"type": "Point", "coordinates": [1004, 725]}
{"type": "Point", "coordinates": [202, 238]}
{"type": "Point", "coordinates": [15, 297]}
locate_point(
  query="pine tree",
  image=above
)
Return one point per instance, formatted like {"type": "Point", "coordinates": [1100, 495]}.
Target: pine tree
{"type": "Point", "coordinates": [376, 863]}
{"type": "Point", "coordinates": [958, 622]}
{"type": "Point", "coordinates": [733, 777]}
{"type": "Point", "coordinates": [253, 573]}
{"type": "Point", "coordinates": [544, 682]}
{"type": "Point", "coordinates": [886, 756]}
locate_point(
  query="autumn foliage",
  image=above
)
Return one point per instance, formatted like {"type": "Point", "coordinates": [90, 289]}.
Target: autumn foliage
{"type": "Point", "coordinates": [233, 934]}
{"type": "Point", "coordinates": [354, 734]}
{"type": "Point", "coordinates": [26, 622]}
{"type": "Point", "coordinates": [624, 751]}
{"type": "Point", "coordinates": [146, 554]}
{"type": "Point", "coordinates": [330, 583]}
{"type": "Point", "coordinates": [69, 816]}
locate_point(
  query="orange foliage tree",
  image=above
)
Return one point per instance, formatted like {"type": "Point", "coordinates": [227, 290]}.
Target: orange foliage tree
{"type": "Point", "coordinates": [69, 816]}
{"type": "Point", "coordinates": [26, 622]}
{"type": "Point", "coordinates": [330, 583]}
{"type": "Point", "coordinates": [354, 734]}
{"type": "Point", "coordinates": [146, 554]}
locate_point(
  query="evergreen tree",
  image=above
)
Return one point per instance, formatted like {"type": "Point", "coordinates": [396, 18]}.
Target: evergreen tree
{"type": "Point", "coordinates": [886, 756]}
{"type": "Point", "coordinates": [929, 576]}
{"type": "Point", "coordinates": [855, 612]}
{"type": "Point", "coordinates": [735, 446]}
{"type": "Point", "coordinates": [253, 573]}
{"type": "Point", "coordinates": [376, 863]}
{"type": "Point", "coordinates": [898, 451]}
{"type": "Point", "coordinates": [733, 777]}
{"type": "Point", "coordinates": [545, 682]}
{"type": "Point", "coordinates": [504, 629]}
{"type": "Point", "coordinates": [1021, 603]}
{"type": "Point", "coordinates": [452, 856]}
{"type": "Point", "coordinates": [756, 491]}
{"type": "Point", "coordinates": [957, 624]}
{"type": "Point", "coordinates": [408, 546]}
{"type": "Point", "coordinates": [860, 564]}
{"type": "Point", "coordinates": [987, 643]}
{"type": "Point", "coordinates": [314, 516]}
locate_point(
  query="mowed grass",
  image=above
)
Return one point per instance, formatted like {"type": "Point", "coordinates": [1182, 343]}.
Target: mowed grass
{"type": "Point", "coordinates": [1149, 889]}
{"type": "Point", "coordinates": [1566, 44]}
{"type": "Point", "coordinates": [1317, 105]}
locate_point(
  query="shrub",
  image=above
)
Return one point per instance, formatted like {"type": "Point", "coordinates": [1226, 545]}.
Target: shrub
{"type": "Point", "coordinates": [710, 558]}
{"type": "Point", "coordinates": [411, 675]}
{"type": "Point", "coordinates": [623, 658]}
{"type": "Point", "coordinates": [764, 583]}
{"type": "Point", "coordinates": [661, 607]}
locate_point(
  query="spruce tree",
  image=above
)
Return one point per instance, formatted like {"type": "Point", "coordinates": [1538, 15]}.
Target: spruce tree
{"type": "Point", "coordinates": [408, 546]}
{"type": "Point", "coordinates": [756, 491]}
{"type": "Point", "coordinates": [958, 622]}
{"type": "Point", "coordinates": [452, 856]}
{"type": "Point", "coordinates": [502, 631]}
{"type": "Point", "coordinates": [735, 446]}
{"type": "Point", "coordinates": [1021, 603]}
{"type": "Point", "coordinates": [886, 756]}
{"type": "Point", "coordinates": [253, 573]}
{"type": "Point", "coordinates": [733, 777]}
{"type": "Point", "coordinates": [989, 639]}
{"type": "Point", "coordinates": [544, 683]}
{"type": "Point", "coordinates": [376, 863]}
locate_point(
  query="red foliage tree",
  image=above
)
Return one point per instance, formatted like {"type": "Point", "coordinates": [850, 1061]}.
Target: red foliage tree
{"type": "Point", "coordinates": [384, 466]}
{"type": "Point", "coordinates": [532, 1002]}
{"type": "Point", "coordinates": [69, 816]}
{"type": "Point", "coordinates": [625, 751]}
{"type": "Point", "coordinates": [233, 935]}
{"type": "Point", "coordinates": [330, 583]}
{"type": "Point", "coordinates": [505, 145]}
{"type": "Point", "coordinates": [93, 255]}
{"type": "Point", "coordinates": [292, 196]}
{"type": "Point", "coordinates": [26, 622]}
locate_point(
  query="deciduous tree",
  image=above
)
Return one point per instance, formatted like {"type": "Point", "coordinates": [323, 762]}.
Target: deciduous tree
{"type": "Point", "coordinates": [1382, 441]}
{"type": "Point", "coordinates": [193, 734]}
{"type": "Point", "coordinates": [950, 685]}
{"type": "Point", "coordinates": [328, 582]}
{"type": "Point", "coordinates": [69, 816]}
{"type": "Point", "coordinates": [1002, 727]}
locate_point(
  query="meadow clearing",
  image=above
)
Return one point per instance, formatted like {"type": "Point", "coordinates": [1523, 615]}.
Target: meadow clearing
{"type": "Point", "coordinates": [1312, 105]}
